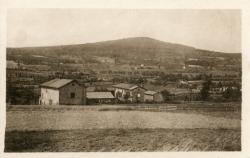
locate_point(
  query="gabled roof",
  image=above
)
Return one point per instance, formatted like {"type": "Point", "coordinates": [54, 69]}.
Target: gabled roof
{"type": "Point", "coordinates": [150, 92]}
{"type": "Point", "coordinates": [56, 83]}
{"type": "Point", "coordinates": [100, 95]}
{"type": "Point", "coordinates": [126, 86]}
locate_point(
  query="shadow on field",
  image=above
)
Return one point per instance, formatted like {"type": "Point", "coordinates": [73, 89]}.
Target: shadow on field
{"type": "Point", "coordinates": [107, 140]}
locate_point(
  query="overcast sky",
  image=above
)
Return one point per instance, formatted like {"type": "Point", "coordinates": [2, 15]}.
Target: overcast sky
{"type": "Point", "coordinates": [218, 30]}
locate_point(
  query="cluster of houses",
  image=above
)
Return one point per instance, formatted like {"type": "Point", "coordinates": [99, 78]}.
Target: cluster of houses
{"type": "Point", "coordinates": [71, 92]}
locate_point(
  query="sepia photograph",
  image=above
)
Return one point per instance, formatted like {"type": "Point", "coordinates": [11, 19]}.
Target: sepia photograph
{"type": "Point", "coordinates": [123, 80]}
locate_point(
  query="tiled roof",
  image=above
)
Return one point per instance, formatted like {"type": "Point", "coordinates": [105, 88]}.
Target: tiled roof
{"type": "Point", "coordinates": [100, 95]}
{"type": "Point", "coordinates": [150, 92]}
{"type": "Point", "coordinates": [126, 86]}
{"type": "Point", "coordinates": [56, 83]}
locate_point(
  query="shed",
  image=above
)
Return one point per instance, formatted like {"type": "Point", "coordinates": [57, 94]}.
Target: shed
{"type": "Point", "coordinates": [100, 97]}
{"type": "Point", "coordinates": [153, 96]}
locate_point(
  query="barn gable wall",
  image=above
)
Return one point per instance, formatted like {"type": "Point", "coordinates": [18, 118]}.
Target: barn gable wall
{"type": "Point", "coordinates": [66, 94]}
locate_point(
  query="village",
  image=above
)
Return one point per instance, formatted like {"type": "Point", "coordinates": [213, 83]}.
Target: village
{"type": "Point", "coordinates": [73, 84]}
{"type": "Point", "coordinates": [70, 92]}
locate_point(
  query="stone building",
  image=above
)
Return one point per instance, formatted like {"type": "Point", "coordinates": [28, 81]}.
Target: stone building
{"type": "Point", "coordinates": [62, 92]}
{"type": "Point", "coordinates": [129, 92]}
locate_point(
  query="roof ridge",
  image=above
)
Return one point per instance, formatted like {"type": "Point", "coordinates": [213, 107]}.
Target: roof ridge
{"type": "Point", "coordinates": [56, 83]}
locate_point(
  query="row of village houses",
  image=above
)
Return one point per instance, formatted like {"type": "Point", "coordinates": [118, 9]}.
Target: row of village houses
{"type": "Point", "coordinates": [70, 92]}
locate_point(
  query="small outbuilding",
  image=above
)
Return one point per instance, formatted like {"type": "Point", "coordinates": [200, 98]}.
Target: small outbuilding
{"type": "Point", "coordinates": [100, 98]}
{"type": "Point", "coordinates": [153, 96]}
{"type": "Point", "coordinates": [62, 92]}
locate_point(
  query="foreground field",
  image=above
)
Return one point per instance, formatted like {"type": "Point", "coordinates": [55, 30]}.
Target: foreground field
{"type": "Point", "coordinates": [92, 119]}
{"type": "Point", "coordinates": [120, 128]}
{"type": "Point", "coordinates": [124, 140]}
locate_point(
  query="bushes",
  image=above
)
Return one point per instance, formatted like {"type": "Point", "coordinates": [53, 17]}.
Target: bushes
{"type": "Point", "coordinates": [205, 90]}
{"type": "Point", "coordinates": [165, 95]}
{"type": "Point", "coordinates": [232, 94]}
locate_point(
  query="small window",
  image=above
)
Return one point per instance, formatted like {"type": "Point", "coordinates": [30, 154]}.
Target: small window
{"type": "Point", "coordinates": [73, 84]}
{"type": "Point", "coordinates": [72, 95]}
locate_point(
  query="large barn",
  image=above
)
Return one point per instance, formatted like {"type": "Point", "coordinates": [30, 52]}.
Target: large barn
{"type": "Point", "coordinates": [62, 92]}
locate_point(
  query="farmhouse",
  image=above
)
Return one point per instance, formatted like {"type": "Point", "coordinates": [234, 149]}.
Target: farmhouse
{"type": "Point", "coordinates": [100, 97]}
{"type": "Point", "coordinates": [62, 92]}
{"type": "Point", "coordinates": [129, 92]}
{"type": "Point", "coordinates": [153, 96]}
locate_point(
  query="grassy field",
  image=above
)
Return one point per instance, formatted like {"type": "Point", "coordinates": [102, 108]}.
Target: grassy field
{"type": "Point", "coordinates": [124, 140]}
{"type": "Point", "coordinates": [121, 128]}
{"type": "Point", "coordinates": [91, 119]}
